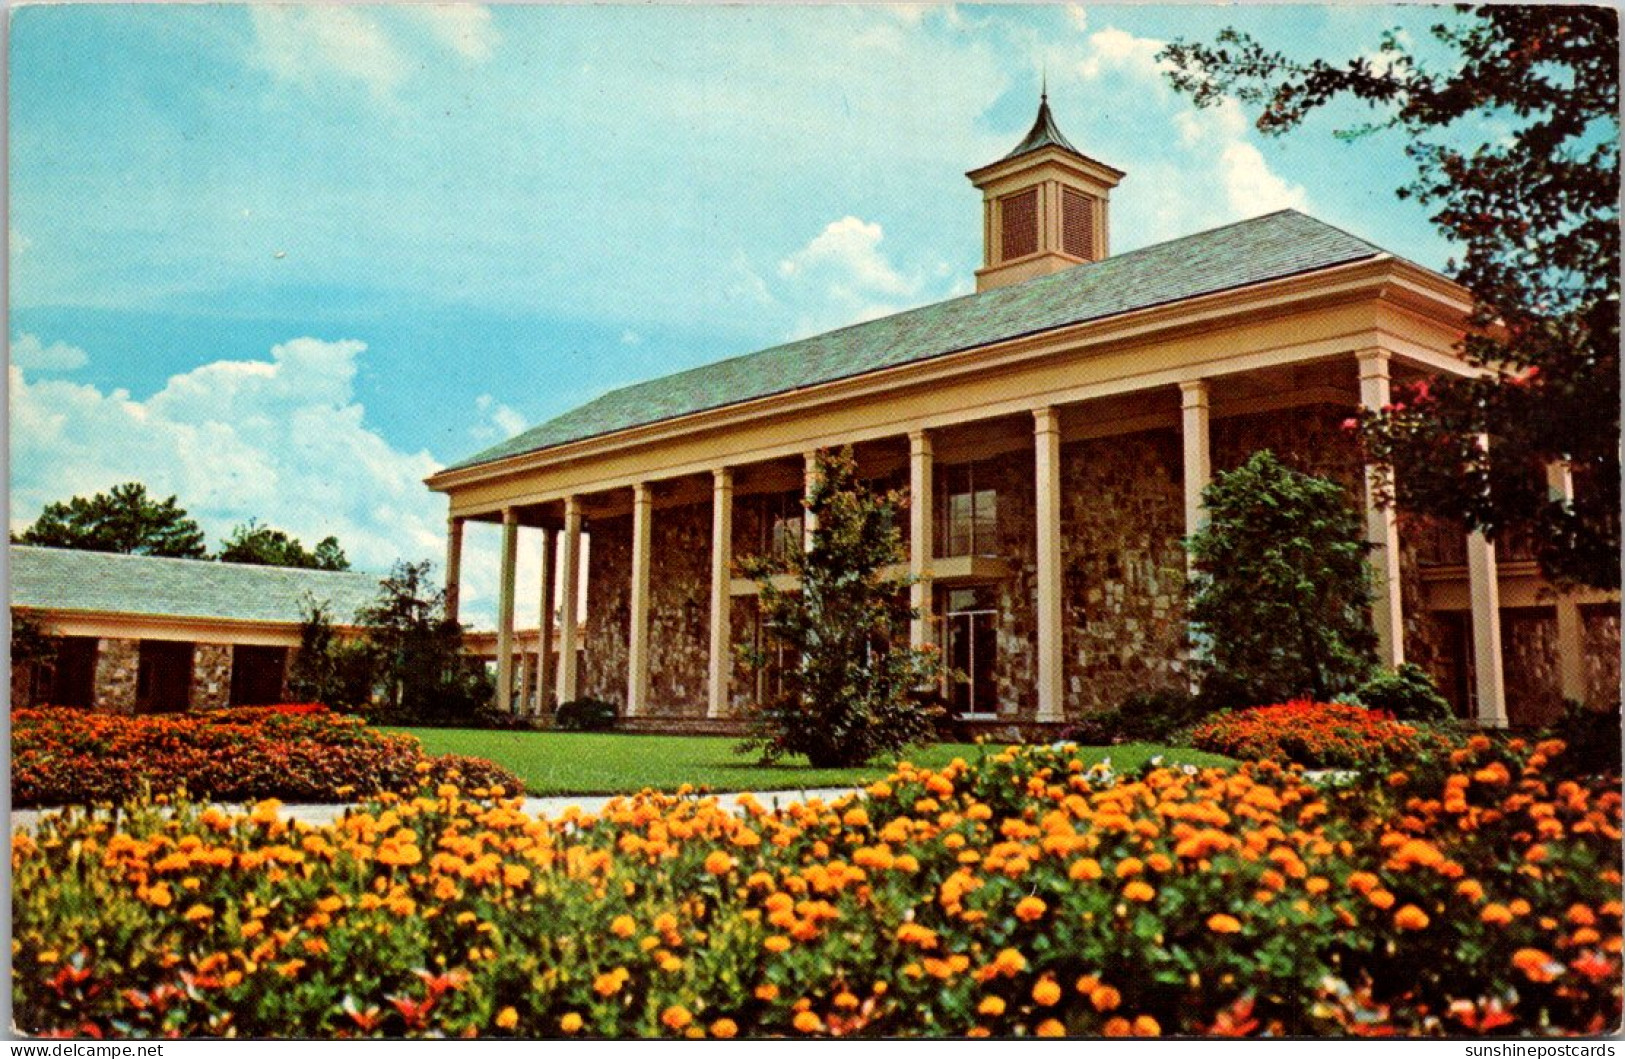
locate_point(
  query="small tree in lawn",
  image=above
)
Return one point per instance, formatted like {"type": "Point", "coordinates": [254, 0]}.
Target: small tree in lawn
{"type": "Point", "coordinates": [419, 650]}
{"type": "Point", "coordinates": [328, 669]}
{"type": "Point", "coordinates": [849, 694]}
{"type": "Point", "coordinates": [1282, 591]}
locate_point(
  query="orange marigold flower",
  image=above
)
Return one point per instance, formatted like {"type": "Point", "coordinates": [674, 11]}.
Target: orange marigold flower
{"type": "Point", "coordinates": [1046, 992]}
{"type": "Point", "coordinates": [1050, 1028]}
{"type": "Point", "coordinates": [1223, 924]}
{"type": "Point", "coordinates": [1146, 1026]}
{"type": "Point", "coordinates": [725, 1029]}
{"type": "Point", "coordinates": [507, 1018]}
{"type": "Point", "coordinates": [1499, 915]}
{"type": "Point", "coordinates": [1536, 965]}
{"type": "Point", "coordinates": [1118, 1027]}
{"type": "Point", "coordinates": [1105, 998]}
{"type": "Point", "coordinates": [1410, 918]}
{"type": "Point", "coordinates": [1381, 898]}
{"type": "Point", "coordinates": [1581, 916]}
{"type": "Point", "coordinates": [623, 926]}
{"type": "Point", "coordinates": [570, 1023]}
{"type": "Point", "coordinates": [1129, 866]}
{"type": "Point", "coordinates": [1086, 869]}
{"type": "Point", "coordinates": [807, 1022]}
{"type": "Point", "coordinates": [676, 1017]}
{"type": "Point", "coordinates": [1139, 891]}
{"type": "Point", "coordinates": [1009, 962]}
{"type": "Point", "coordinates": [609, 983]}
{"type": "Point", "coordinates": [719, 863]}
{"type": "Point", "coordinates": [1030, 908]}
{"type": "Point", "coordinates": [992, 1006]}
{"type": "Point", "coordinates": [767, 991]}
{"type": "Point", "coordinates": [776, 943]}
{"type": "Point", "coordinates": [1470, 889]}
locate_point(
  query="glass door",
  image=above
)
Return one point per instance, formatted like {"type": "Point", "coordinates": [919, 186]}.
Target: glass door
{"type": "Point", "coordinates": [972, 634]}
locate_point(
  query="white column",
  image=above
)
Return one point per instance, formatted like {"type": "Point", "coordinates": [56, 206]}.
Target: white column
{"type": "Point", "coordinates": [1570, 627]}
{"type": "Point", "coordinates": [809, 524]}
{"type": "Point", "coordinates": [1194, 432]}
{"type": "Point", "coordinates": [722, 530]}
{"type": "Point", "coordinates": [1485, 593]}
{"type": "Point", "coordinates": [1047, 468]}
{"type": "Point", "coordinates": [637, 650]}
{"type": "Point", "coordinates": [1381, 524]}
{"type": "Point", "coordinates": [921, 545]}
{"type": "Point", "coordinates": [454, 565]}
{"type": "Point", "coordinates": [569, 597]}
{"type": "Point", "coordinates": [544, 625]}
{"type": "Point", "coordinates": [510, 553]}
{"type": "Point", "coordinates": [523, 706]}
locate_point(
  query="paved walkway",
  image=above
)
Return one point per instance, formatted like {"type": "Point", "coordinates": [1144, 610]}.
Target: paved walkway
{"type": "Point", "coordinates": [25, 819]}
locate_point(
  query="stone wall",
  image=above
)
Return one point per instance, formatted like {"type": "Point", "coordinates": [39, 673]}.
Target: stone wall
{"type": "Point", "coordinates": [1601, 655]}
{"type": "Point", "coordinates": [1015, 672]}
{"type": "Point", "coordinates": [1122, 517]}
{"type": "Point", "coordinates": [118, 665]}
{"type": "Point", "coordinates": [1529, 666]}
{"type": "Point", "coordinates": [679, 610]}
{"type": "Point", "coordinates": [609, 606]}
{"type": "Point", "coordinates": [211, 676]}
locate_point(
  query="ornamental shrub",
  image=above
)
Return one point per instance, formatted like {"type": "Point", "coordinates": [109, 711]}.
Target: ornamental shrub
{"type": "Point", "coordinates": [62, 756]}
{"type": "Point", "coordinates": [1406, 694]}
{"type": "Point", "coordinates": [847, 679]}
{"type": "Point", "coordinates": [1312, 734]}
{"type": "Point", "coordinates": [1280, 600]}
{"type": "Point", "coordinates": [585, 715]}
{"type": "Point", "coordinates": [1021, 896]}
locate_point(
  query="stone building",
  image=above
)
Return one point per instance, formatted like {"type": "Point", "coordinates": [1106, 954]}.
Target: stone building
{"type": "Point", "coordinates": [1054, 431]}
{"type": "Point", "coordinates": [138, 634]}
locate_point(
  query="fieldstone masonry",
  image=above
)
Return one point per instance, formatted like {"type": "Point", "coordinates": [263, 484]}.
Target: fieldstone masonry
{"type": "Point", "coordinates": [211, 676]}
{"type": "Point", "coordinates": [118, 665]}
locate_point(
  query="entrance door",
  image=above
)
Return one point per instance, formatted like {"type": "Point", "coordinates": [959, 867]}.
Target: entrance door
{"type": "Point", "coordinates": [256, 675]}
{"type": "Point", "coordinates": [970, 623]}
{"type": "Point", "coordinates": [163, 677]}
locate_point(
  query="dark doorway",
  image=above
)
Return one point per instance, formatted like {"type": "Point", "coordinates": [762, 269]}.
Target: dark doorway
{"type": "Point", "coordinates": [256, 675]}
{"type": "Point", "coordinates": [971, 623]}
{"type": "Point", "coordinates": [73, 680]}
{"type": "Point", "coordinates": [163, 677]}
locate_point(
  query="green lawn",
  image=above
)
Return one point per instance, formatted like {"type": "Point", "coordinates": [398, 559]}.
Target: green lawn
{"type": "Point", "coordinates": [612, 763]}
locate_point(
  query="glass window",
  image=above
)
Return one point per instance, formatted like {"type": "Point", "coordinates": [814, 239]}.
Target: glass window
{"type": "Point", "coordinates": [970, 514]}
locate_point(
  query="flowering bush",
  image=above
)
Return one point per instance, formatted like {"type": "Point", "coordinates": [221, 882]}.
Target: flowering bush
{"type": "Point", "coordinates": [1024, 896]}
{"type": "Point", "coordinates": [301, 753]}
{"type": "Point", "coordinates": [1312, 734]}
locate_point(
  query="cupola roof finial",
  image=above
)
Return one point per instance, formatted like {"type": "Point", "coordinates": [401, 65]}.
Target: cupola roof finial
{"type": "Point", "coordinates": [1044, 132]}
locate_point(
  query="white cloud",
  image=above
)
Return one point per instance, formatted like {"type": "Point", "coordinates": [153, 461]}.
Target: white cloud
{"type": "Point", "coordinates": [499, 420]}
{"type": "Point", "coordinates": [302, 43]}
{"type": "Point", "coordinates": [1078, 16]}
{"type": "Point", "coordinates": [27, 351]}
{"type": "Point", "coordinates": [841, 277]}
{"type": "Point", "coordinates": [1113, 49]}
{"type": "Point", "coordinates": [465, 28]}
{"type": "Point", "coordinates": [1250, 187]}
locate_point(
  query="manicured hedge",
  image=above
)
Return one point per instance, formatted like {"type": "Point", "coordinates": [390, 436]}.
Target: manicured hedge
{"type": "Point", "coordinates": [1313, 734]}
{"type": "Point", "coordinates": [298, 753]}
{"type": "Point", "coordinates": [1025, 895]}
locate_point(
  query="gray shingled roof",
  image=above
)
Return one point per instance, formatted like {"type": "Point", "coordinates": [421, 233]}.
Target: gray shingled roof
{"type": "Point", "coordinates": [1044, 133]}
{"type": "Point", "coordinates": [65, 579]}
{"type": "Point", "coordinates": [1238, 255]}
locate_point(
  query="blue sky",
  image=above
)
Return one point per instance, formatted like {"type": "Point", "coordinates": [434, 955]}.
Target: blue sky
{"type": "Point", "coordinates": [286, 261]}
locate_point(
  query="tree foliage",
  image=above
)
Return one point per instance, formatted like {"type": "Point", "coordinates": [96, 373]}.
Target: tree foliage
{"type": "Point", "coordinates": [1534, 207]}
{"type": "Point", "coordinates": [328, 669]}
{"type": "Point", "coordinates": [1281, 595]}
{"type": "Point", "coordinates": [848, 692]}
{"type": "Point", "coordinates": [124, 520]}
{"type": "Point", "coordinates": [418, 650]}
{"type": "Point", "coordinates": [260, 545]}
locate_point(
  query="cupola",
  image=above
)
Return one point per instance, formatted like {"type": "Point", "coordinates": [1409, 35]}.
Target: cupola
{"type": "Point", "coordinates": [1044, 206]}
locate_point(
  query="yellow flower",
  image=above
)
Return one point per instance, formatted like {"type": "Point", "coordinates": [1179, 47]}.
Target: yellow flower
{"type": "Point", "coordinates": [993, 1006]}
{"type": "Point", "coordinates": [676, 1017]}
{"type": "Point", "coordinates": [1047, 992]}
{"type": "Point", "coordinates": [570, 1023]}
{"type": "Point", "coordinates": [776, 943]}
{"type": "Point", "coordinates": [623, 926]}
{"type": "Point", "coordinates": [610, 982]}
{"type": "Point", "coordinates": [1223, 924]}
{"type": "Point", "coordinates": [197, 912]}
{"type": "Point", "coordinates": [507, 1018]}
{"type": "Point", "coordinates": [1050, 1028]}
{"type": "Point", "coordinates": [724, 1029]}
{"type": "Point", "coordinates": [1030, 908]}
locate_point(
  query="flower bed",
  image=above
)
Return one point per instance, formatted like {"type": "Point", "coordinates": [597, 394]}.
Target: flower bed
{"type": "Point", "coordinates": [1022, 896]}
{"type": "Point", "coordinates": [1312, 734]}
{"type": "Point", "coordinates": [299, 753]}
